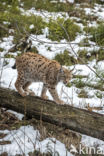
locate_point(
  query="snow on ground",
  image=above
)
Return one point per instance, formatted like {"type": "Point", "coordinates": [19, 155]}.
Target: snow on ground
{"type": "Point", "coordinates": [26, 139]}
{"type": "Point", "coordinates": [19, 141]}
{"type": "Point", "coordinates": [99, 10]}
{"type": "Point", "coordinates": [91, 142]}
{"type": "Point", "coordinates": [43, 48]}
{"type": "Point", "coordinates": [54, 145]}
{"type": "Point", "coordinates": [44, 14]}
{"type": "Point", "coordinates": [8, 77]}
{"type": "Point", "coordinates": [6, 44]}
{"type": "Point", "coordinates": [18, 115]}
{"type": "Point", "coordinates": [64, 1]}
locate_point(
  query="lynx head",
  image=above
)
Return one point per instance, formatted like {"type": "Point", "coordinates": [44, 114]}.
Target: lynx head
{"type": "Point", "coordinates": [65, 75]}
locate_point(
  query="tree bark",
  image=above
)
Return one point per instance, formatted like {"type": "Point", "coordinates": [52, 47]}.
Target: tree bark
{"type": "Point", "coordinates": [79, 120]}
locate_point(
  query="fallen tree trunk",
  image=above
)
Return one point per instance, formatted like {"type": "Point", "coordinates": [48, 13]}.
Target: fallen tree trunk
{"type": "Point", "coordinates": [75, 119]}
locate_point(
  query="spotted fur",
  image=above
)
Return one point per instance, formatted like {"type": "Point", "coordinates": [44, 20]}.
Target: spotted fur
{"type": "Point", "coordinates": [33, 67]}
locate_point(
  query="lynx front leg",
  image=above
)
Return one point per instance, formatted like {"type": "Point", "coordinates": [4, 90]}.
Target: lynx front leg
{"type": "Point", "coordinates": [55, 96]}
{"type": "Point", "coordinates": [43, 94]}
{"type": "Point", "coordinates": [26, 88]}
{"type": "Point", "coordinates": [19, 86]}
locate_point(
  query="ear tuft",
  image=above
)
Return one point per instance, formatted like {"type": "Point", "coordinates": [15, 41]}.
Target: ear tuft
{"type": "Point", "coordinates": [72, 69]}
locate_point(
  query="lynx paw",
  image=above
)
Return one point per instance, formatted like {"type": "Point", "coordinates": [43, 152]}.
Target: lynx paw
{"type": "Point", "coordinates": [31, 93]}
{"type": "Point", "coordinates": [25, 94]}
{"type": "Point", "coordinates": [45, 97]}
{"type": "Point", "coordinates": [60, 102]}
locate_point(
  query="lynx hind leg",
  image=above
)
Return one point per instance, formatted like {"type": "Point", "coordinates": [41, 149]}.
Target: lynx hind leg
{"type": "Point", "coordinates": [43, 94]}
{"type": "Point", "coordinates": [26, 88]}
{"type": "Point", "coordinates": [19, 86]}
{"type": "Point", "coordinates": [54, 94]}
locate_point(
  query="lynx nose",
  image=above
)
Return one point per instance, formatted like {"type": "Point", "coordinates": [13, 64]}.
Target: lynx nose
{"type": "Point", "coordinates": [66, 82]}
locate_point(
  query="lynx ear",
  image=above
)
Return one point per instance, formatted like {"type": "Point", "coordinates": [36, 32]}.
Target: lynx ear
{"type": "Point", "coordinates": [72, 69]}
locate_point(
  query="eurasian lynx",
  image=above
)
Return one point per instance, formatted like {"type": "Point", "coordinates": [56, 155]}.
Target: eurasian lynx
{"type": "Point", "coordinates": [33, 67]}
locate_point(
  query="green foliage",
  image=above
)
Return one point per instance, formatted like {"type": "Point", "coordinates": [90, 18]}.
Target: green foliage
{"type": "Point", "coordinates": [99, 94]}
{"type": "Point", "coordinates": [14, 9]}
{"type": "Point", "coordinates": [23, 22]}
{"type": "Point", "coordinates": [83, 94]}
{"type": "Point", "coordinates": [84, 42]}
{"type": "Point", "coordinates": [98, 86]}
{"type": "Point", "coordinates": [81, 14]}
{"type": "Point", "coordinates": [3, 33]}
{"type": "Point", "coordinates": [10, 2]}
{"type": "Point", "coordinates": [79, 83]}
{"type": "Point", "coordinates": [65, 58]}
{"type": "Point", "coordinates": [100, 73]}
{"type": "Point", "coordinates": [90, 55]}
{"type": "Point", "coordinates": [9, 56]}
{"type": "Point", "coordinates": [3, 7]}
{"type": "Point", "coordinates": [83, 55]}
{"type": "Point", "coordinates": [80, 76]}
{"type": "Point", "coordinates": [57, 32]}
{"type": "Point", "coordinates": [12, 17]}
{"type": "Point", "coordinates": [91, 3]}
{"type": "Point", "coordinates": [46, 5]}
{"type": "Point", "coordinates": [49, 48]}
{"type": "Point", "coordinates": [97, 54]}
{"type": "Point", "coordinates": [99, 1]}
{"type": "Point", "coordinates": [100, 54]}
{"type": "Point", "coordinates": [89, 30]}
{"type": "Point", "coordinates": [69, 85]}
{"type": "Point", "coordinates": [98, 34]}
{"type": "Point", "coordinates": [1, 49]}
{"type": "Point", "coordinates": [9, 6]}
{"type": "Point", "coordinates": [50, 5]}
{"type": "Point", "coordinates": [34, 49]}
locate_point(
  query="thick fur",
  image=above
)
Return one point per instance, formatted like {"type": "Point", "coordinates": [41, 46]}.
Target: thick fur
{"type": "Point", "coordinates": [33, 67]}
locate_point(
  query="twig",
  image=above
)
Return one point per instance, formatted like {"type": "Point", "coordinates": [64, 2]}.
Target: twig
{"type": "Point", "coordinates": [41, 41]}
{"type": "Point", "coordinates": [1, 71]}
